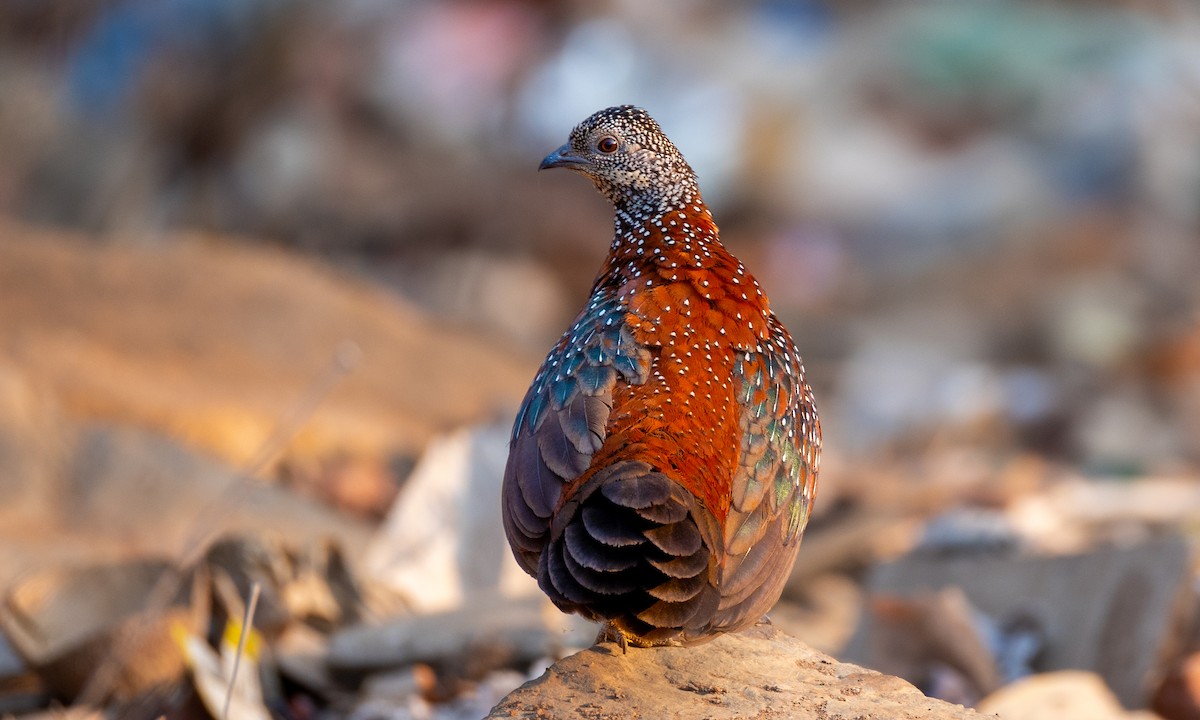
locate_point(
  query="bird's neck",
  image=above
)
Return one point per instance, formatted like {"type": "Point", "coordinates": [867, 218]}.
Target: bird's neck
{"type": "Point", "coordinates": [675, 278]}
{"type": "Point", "coordinates": [634, 208]}
{"type": "Point", "coordinates": [679, 233]}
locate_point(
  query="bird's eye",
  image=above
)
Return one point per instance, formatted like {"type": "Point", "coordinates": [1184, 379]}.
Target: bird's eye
{"type": "Point", "coordinates": [607, 144]}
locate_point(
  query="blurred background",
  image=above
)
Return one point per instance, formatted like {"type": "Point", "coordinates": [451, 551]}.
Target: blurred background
{"type": "Point", "coordinates": [277, 272]}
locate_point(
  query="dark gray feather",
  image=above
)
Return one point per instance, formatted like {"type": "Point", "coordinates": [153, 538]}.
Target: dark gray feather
{"type": "Point", "coordinates": [679, 589]}
{"type": "Point", "coordinates": [679, 539]}
{"type": "Point", "coordinates": [639, 491]}
{"type": "Point", "coordinates": [589, 553]}
{"type": "Point", "coordinates": [687, 566]}
{"type": "Point", "coordinates": [612, 527]}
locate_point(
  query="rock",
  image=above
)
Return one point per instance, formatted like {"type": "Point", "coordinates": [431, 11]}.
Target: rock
{"type": "Point", "coordinates": [1063, 695]}
{"type": "Point", "coordinates": [180, 492]}
{"type": "Point", "coordinates": [95, 492]}
{"type": "Point", "coordinates": [11, 664]}
{"type": "Point", "coordinates": [969, 529]}
{"type": "Point", "coordinates": [1114, 611]}
{"type": "Point", "coordinates": [758, 673]}
{"type": "Point", "coordinates": [468, 704]}
{"type": "Point", "coordinates": [848, 543]}
{"type": "Point", "coordinates": [916, 368]}
{"type": "Point", "coordinates": [825, 615]}
{"type": "Point", "coordinates": [79, 626]}
{"type": "Point", "coordinates": [34, 445]}
{"type": "Point", "coordinates": [404, 695]}
{"type": "Point", "coordinates": [443, 541]}
{"type": "Point", "coordinates": [933, 639]}
{"type": "Point", "coordinates": [514, 295]}
{"type": "Point", "coordinates": [364, 487]}
{"type": "Point", "coordinates": [214, 342]}
{"type": "Point", "coordinates": [418, 679]}
{"type": "Point", "coordinates": [489, 630]}
{"type": "Point", "coordinates": [1121, 431]}
{"type": "Point", "coordinates": [68, 713]}
{"type": "Point", "coordinates": [21, 690]}
{"type": "Point", "coordinates": [1076, 511]}
{"type": "Point", "coordinates": [300, 656]}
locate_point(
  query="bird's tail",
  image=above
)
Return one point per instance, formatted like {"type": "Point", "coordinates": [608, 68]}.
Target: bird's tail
{"type": "Point", "coordinates": [634, 549]}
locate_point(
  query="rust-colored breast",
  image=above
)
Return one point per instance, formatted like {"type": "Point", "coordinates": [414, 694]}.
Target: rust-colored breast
{"type": "Point", "coordinates": [665, 457]}
{"type": "Point", "coordinates": [696, 309]}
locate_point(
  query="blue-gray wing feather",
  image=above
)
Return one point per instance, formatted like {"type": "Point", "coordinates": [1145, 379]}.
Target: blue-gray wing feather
{"type": "Point", "coordinates": [563, 421]}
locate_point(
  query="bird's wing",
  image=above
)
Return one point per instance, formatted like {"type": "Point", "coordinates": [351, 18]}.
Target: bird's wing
{"type": "Point", "coordinates": [563, 421]}
{"type": "Point", "coordinates": [775, 480]}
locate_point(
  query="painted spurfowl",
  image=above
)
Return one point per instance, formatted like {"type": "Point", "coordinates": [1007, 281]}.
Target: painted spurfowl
{"type": "Point", "coordinates": [664, 460]}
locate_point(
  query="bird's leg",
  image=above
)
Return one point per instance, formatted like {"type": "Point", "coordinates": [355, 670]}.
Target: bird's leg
{"type": "Point", "coordinates": [611, 633]}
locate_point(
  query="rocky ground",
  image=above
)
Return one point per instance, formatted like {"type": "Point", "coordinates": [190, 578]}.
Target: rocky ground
{"type": "Point", "coordinates": [185, 425]}
{"type": "Point", "coordinates": [760, 673]}
{"type": "Point", "coordinates": [274, 275]}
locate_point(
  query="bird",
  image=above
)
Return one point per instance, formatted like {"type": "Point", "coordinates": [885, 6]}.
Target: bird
{"type": "Point", "coordinates": [663, 463]}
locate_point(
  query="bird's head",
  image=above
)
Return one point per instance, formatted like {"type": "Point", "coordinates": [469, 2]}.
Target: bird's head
{"type": "Point", "coordinates": [626, 155]}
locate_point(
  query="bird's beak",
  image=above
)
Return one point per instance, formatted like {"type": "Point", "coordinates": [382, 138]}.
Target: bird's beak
{"type": "Point", "coordinates": [562, 157]}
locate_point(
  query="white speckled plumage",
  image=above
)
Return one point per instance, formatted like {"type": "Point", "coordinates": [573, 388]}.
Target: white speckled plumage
{"type": "Point", "coordinates": [664, 460]}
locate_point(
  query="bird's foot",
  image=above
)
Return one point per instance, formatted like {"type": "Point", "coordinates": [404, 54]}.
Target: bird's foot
{"type": "Point", "coordinates": [611, 633]}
